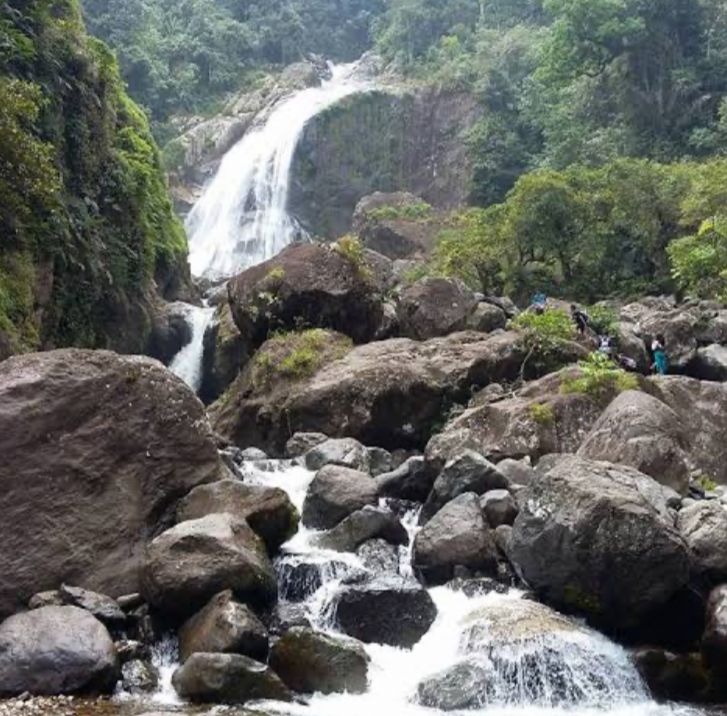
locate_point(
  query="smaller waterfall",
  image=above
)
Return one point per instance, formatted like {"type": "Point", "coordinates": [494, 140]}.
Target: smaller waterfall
{"type": "Point", "coordinates": [187, 364]}
{"type": "Point", "coordinates": [242, 218]}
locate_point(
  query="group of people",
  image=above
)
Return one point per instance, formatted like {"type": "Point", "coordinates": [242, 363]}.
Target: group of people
{"type": "Point", "coordinates": [605, 343]}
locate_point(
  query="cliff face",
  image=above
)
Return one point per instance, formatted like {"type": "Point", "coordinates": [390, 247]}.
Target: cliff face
{"type": "Point", "coordinates": [89, 238]}
{"type": "Point", "coordinates": [382, 141]}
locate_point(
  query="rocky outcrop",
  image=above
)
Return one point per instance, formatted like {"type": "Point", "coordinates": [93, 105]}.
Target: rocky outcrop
{"type": "Point", "coordinates": [309, 285]}
{"type": "Point", "coordinates": [457, 536]}
{"type": "Point", "coordinates": [267, 510]}
{"type": "Point", "coordinates": [704, 527]}
{"type": "Point", "coordinates": [56, 650]}
{"type": "Point", "coordinates": [190, 563]}
{"type": "Point", "coordinates": [96, 450]}
{"type": "Point", "coordinates": [638, 430]}
{"type": "Point", "coordinates": [600, 539]}
{"type": "Point", "coordinates": [227, 679]}
{"type": "Point", "coordinates": [312, 662]}
{"type": "Point", "coordinates": [226, 626]}
{"type": "Point", "coordinates": [385, 611]}
{"type": "Point", "coordinates": [434, 307]}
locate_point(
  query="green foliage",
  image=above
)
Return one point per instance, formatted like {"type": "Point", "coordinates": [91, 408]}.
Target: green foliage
{"type": "Point", "coordinates": [353, 251]}
{"type": "Point", "coordinates": [543, 335]}
{"type": "Point", "coordinates": [603, 320]}
{"type": "Point", "coordinates": [418, 211]}
{"type": "Point", "coordinates": [542, 413]}
{"type": "Point", "coordinates": [600, 377]}
{"type": "Point", "coordinates": [707, 483]}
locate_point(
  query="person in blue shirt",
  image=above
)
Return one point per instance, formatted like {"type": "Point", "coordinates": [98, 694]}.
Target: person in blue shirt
{"type": "Point", "coordinates": [658, 350]}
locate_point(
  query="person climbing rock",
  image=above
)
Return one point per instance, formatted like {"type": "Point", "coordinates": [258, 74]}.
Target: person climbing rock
{"type": "Point", "coordinates": [539, 303]}
{"type": "Point", "coordinates": [658, 350]}
{"type": "Point", "coordinates": [580, 319]}
{"type": "Point", "coordinates": [605, 346]}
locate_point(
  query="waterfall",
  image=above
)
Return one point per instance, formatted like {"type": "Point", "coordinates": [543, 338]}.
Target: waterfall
{"type": "Point", "coordinates": [242, 218]}
{"type": "Point", "coordinates": [187, 364]}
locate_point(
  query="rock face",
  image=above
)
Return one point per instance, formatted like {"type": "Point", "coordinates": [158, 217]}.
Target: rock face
{"type": "Point", "coordinates": [224, 626]}
{"type": "Point", "coordinates": [704, 527]}
{"type": "Point", "coordinates": [170, 332]}
{"type": "Point", "coordinates": [638, 430]}
{"type": "Point", "coordinates": [456, 536]}
{"type": "Point", "coordinates": [714, 641]}
{"type": "Point", "coordinates": [710, 363]}
{"type": "Point", "coordinates": [311, 662]}
{"type": "Point", "coordinates": [190, 563]}
{"type": "Point", "coordinates": [267, 510]}
{"type": "Point", "coordinates": [600, 539]}
{"type": "Point", "coordinates": [308, 284]}
{"type": "Point", "coordinates": [335, 493]}
{"type": "Point", "coordinates": [56, 650]}
{"type": "Point", "coordinates": [389, 393]}
{"type": "Point", "coordinates": [385, 611]}
{"type": "Point", "coordinates": [434, 307]}
{"type": "Point", "coordinates": [679, 328]}
{"type": "Point", "coordinates": [96, 450]}
{"type": "Point", "coordinates": [225, 354]}
{"type": "Point", "coordinates": [227, 679]}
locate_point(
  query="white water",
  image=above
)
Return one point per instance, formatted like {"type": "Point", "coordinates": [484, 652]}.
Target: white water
{"type": "Point", "coordinates": [242, 218]}
{"type": "Point", "coordinates": [187, 364]}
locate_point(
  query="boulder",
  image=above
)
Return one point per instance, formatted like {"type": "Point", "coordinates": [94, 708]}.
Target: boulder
{"type": "Point", "coordinates": [170, 331]}
{"type": "Point", "coordinates": [638, 430]}
{"type": "Point", "coordinates": [461, 687]}
{"type": "Point", "coordinates": [467, 472]}
{"type": "Point", "coordinates": [105, 609]}
{"type": "Point", "coordinates": [226, 626]}
{"type": "Point", "coordinates": [310, 284]}
{"type": "Point", "coordinates": [335, 493]}
{"type": "Point", "coordinates": [714, 640]}
{"type": "Point", "coordinates": [139, 677]}
{"type": "Point", "coordinates": [486, 317]}
{"type": "Point", "coordinates": [601, 540]}
{"type": "Point", "coordinates": [301, 443]}
{"type": "Point", "coordinates": [227, 679]}
{"type": "Point", "coordinates": [380, 461]}
{"type": "Point", "coordinates": [456, 536]}
{"type": "Point", "coordinates": [704, 527]}
{"type": "Point", "coordinates": [386, 610]}
{"type": "Point", "coordinates": [56, 650]}
{"type": "Point", "coordinates": [190, 563]}
{"type": "Point", "coordinates": [679, 328]}
{"type": "Point", "coordinates": [517, 472]}
{"type": "Point", "coordinates": [379, 557]}
{"type": "Point", "coordinates": [389, 393]}
{"type": "Point", "coordinates": [434, 307]}
{"type": "Point", "coordinates": [311, 662]}
{"type": "Point", "coordinates": [342, 451]}
{"type": "Point", "coordinates": [124, 437]}
{"type": "Point", "coordinates": [268, 510]}
{"type": "Point", "coordinates": [499, 508]}
{"type": "Point", "coordinates": [361, 526]}
{"type": "Point", "coordinates": [226, 352]}
{"type": "Point", "coordinates": [410, 481]}
{"type": "Point", "coordinates": [671, 676]}
{"type": "Point", "coordinates": [710, 363]}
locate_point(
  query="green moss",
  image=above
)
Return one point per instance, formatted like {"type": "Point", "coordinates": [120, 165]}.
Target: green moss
{"type": "Point", "coordinates": [352, 250]}
{"type": "Point", "coordinates": [542, 413]}
{"type": "Point", "coordinates": [419, 211]}
{"type": "Point", "coordinates": [599, 378]}
{"type": "Point", "coordinates": [706, 482]}
{"type": "Point", "coordinates": [582, 601]}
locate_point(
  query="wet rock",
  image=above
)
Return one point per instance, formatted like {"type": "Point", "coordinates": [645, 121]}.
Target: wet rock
{"type": "Point", "coordinates": [714, 640]}
{"type": "Point", "coordinates": [144, 626]}
{"type": "Point", "coordinates": [638, 430]}
{"type": "Point", "coordinates": [131, 650]}
{"type": "Point", "coordinates": [170, 331]}
{"type": "Point", "coordinates": [224, 625]}
{"type": "Point", "coordinates": [434, 307]}
{"type": "Point", "coordinates": [227, 679]}
{"type": "Point", "coordinates": [410, 481]}
{"type": "Point", "coordinates": [139, 677]}
{"type": "Point", "coordinates": [460, 687]}
{"type": "Point", "coordinates": [335, 493]}
{"type": "Point", "coordinates": [301, 443]}
{"type": "Point", "coordinates": [385, 611]}
{"type": "Point", "coordinates": [312, 662]}
{"type": "Point", "coordinates": [670, 676]}
{"type": "Point", "coordinates": [56, 650]}
{"type": "Point", "coordinates": [503, 539]}
{"type": "Point", "coordinates": [380, 461]}
{"type": "Point", "coordinates": [268, 510]}
{"type": "Point", "coordinates": [81, 411]}
{"type": "Point", "coordinates": [379, 556]}
{"type": "Point", "coordinates": [343, 451]}
{"type": "Point", "coordinates": [600, 539]}
{"type": "Point", "coordinates": [704, 527]}
{"type": "Point", "coordinates": [499, 508]}
{"type": "Point", "coordinates": [362, 525]}
{"type": "Point", "coordinates": [252, 454]}
{"type": "Point", "coordinates": [226, 352]}
{"type": "Point", "coordinates": [475, 587]}
{"type": "Point", "coordinates": [301, 579]}
{"type": "Point", "coordinates": [190, 563]}
{"type": "Point", "coordinates": [456, 536]}
{"type": "Point", "coordinates": [130, 601]}
{"type": "Point", "coordinates": [287, 615]}
{"type": "Point", "coordinates": [468, 472]}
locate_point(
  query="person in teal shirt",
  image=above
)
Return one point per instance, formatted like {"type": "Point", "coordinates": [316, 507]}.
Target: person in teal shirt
{"type": "Point", "coordinates": [658, 349]}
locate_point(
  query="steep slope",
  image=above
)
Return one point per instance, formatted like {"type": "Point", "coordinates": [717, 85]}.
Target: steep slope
{"type": "Point", "coordinates": [89, 239]}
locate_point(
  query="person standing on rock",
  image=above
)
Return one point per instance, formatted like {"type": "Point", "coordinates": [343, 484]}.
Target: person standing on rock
{"type": "Point", "coordinates": [580, 318]}
{"type": "Point", "coordinates": [658, 350]}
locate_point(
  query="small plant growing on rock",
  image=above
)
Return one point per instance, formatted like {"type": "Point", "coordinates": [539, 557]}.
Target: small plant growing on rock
{"type": "Point", "coordinates": [600, 376]}
{"type": "Point", "coordinates": [604, 320]}
{"type": "Point", "coordinates": [418, 211]}
{"type": "Point", "coordinates": [707, 483]}
{"type": "Point", "coordinates": [353, 251]}
{"type": "Point", "coordinates": [542, 413]}
{"type": "Point", "coordinates": [275, 275]}
{"type": "Point", "coordinates": [542, 335]}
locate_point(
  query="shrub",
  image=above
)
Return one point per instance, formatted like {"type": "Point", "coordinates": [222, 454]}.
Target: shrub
{"type": "Point", "coordinates": [353, 251]}
{"type": "Point", "coordinates": [542, 335]}
{"type": "Point", "coordinates": [419, 211]}
{"type": "Point", "coordinates": [603, 319]}
{"type": "Point", "coordinates": [600, 376]}
{"type": "Point", "coordinates": [542, 413]}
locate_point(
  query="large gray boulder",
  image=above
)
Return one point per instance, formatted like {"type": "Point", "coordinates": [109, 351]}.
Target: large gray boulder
{"type": "Point", "coordinates": [714, 640]}
{"type": "Point", "coordinates": [268, 510]}
{"type": "Point", "coordinates": [224, 625]}
{"type": "Point", "coordinates": [312, 662]}
{"type": "Point", "coordinates": [387, 610]}
{"type": "Point", "coordinates": [679, 327]}
{"type": "Point", "coordinates": [190, 563]}
{"type": "Point", "coordinates": [710, 363]}
{"type": "Point", "coordinates": [638, 430]}
{"type": "Point", "coordinates": [600, 539]}
{"type": "Point", "coordinates": [342, 451]}
{"type": "Point", "coordinates": [361, 526]}
{"type": "Point", "coordinates": [704, 527]}
{"type": "Point", "coordinates": [227, 679]}
{"type": "Point", "coordinates": [96, 450]}
{"type": "Point", "coordinates": [457, 536]}
{"type": "Point", "coordinates": [56, 650]}
{"type": "Point", "coordinates": [335, 493]}
{"type": "Point", "coordinates": [434, 307]}
{"type": "Point", "coordinates": [410, 481]}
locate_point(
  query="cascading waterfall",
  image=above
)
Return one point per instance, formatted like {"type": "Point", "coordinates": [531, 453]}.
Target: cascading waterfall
{"type": "Point", "coordinates": [242, 218]}
{"type": "Point", "coordinates": [187, 364]}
